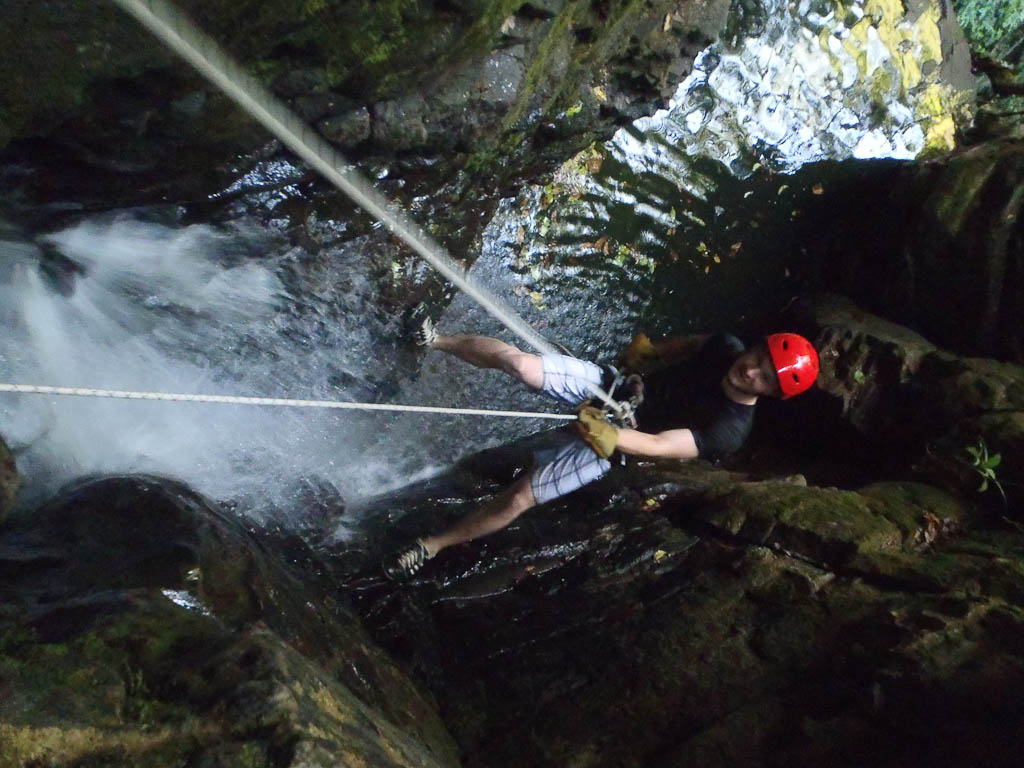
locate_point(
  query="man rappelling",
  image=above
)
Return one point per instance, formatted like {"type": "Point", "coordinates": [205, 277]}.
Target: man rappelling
{"type": "Point", "coordinates": [697, 400]}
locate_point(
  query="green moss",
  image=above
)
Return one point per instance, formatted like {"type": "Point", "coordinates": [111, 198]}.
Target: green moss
{"type": "Point", "coordinates": [253, 756]}
{"type": "Point", "coordinates": [992, 28]}
{"type": "Point", "coordinates": [906, 503]}
{"type": "Point", "coordinates": [833, 525]}
{"type": "Point", "coordinates": [486, 29]}
{"type": "Point", "coordinates": [50, 60]}
{"type": "Point", "coordinates": [482, 160]}
{"type": "Point", "coordinates": [555, 42]}
{"type": "Point", "coordinates": [956, 199]}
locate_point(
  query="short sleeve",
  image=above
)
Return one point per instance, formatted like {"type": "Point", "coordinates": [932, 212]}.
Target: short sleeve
{"type": "Point", "coordinates": [726, 434]}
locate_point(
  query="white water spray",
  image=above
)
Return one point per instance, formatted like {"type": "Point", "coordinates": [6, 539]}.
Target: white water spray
{"type": "Point", "coordinates": [171, 309]}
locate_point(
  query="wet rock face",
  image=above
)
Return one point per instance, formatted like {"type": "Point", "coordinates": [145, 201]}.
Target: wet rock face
{"type": "Point", "coordinates": [697, 617]}
{"type": "Point", "coordinates": [934, 246]}
{"type": "Point", "coordinates": [9, 480]}
{"type": "Point", "coordinates": [143, 628]}
{"type": "Point", "coordinates": [421, 77]}
{"type": "Point", "coordinates": [918, 405]}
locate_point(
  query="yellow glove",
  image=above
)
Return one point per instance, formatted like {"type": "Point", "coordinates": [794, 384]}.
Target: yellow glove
{"type": "Point", "coordinates": [595, 431]}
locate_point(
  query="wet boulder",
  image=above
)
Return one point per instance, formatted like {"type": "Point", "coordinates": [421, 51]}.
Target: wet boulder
{"type": "Point", "coordinates": [347, 129]}
{"type": "Point", "coordinates": [143, 627]}
{"type": "Point", "coordinates": [831, 526]}
{"type": "Point", "coordinates": [916, 404]}
{"type": "Point", "coordinates": [934, 245]}
{"type": "Point", "coordinates": [687, 615]}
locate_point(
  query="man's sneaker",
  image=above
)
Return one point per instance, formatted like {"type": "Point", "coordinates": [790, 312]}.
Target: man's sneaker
{"type": "Point", "coordinates": [407, 562]}
{"type": "Point", "coordinates": [425, 335]}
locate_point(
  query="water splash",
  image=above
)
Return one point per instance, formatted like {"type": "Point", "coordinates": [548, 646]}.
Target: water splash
{"type": "Point", "coordinates": [193, 309]}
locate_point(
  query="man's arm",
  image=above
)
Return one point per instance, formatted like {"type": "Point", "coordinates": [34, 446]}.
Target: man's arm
{"type": "Point", "coordinates": [680, 347]}
{"type": "Point", "coordinates": [644, 355]}
{"type": "Point", "coordinates": [672, 444]}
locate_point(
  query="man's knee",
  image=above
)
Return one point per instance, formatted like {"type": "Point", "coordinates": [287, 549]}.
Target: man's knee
{"type": "Point", "coordinates": [526, 367]}
{"type": "Point", "coordinates": [519, 499]}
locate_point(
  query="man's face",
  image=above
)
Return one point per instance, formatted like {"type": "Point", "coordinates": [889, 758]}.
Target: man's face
{"type": "Point", "coordinates": [753, 373]}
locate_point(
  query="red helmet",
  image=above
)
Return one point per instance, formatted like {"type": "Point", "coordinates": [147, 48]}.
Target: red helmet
{"type": "Point", "coordinates": [796, 362]}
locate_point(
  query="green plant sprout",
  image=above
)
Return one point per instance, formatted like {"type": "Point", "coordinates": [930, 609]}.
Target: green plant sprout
{"type": "Point", "coordinates": [985, 465]}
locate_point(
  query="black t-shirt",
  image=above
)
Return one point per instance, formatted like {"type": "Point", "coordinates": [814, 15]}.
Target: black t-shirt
{"type": "Point", "coordinates": [689, 395]}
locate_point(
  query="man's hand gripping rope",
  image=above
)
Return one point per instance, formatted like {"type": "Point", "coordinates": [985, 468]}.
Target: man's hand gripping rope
{"type": "Point", "coordinates": [594, 429]}
{"type": "Point", "coordinates": [594, 424]}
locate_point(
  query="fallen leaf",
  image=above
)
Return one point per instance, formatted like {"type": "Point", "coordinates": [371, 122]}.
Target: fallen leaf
{"type": "Point", "coordinates": [508, 24]}
{"type": "Point", "coordinates": [932, 528]}
{"type": "Point", "coordinates": [717, 259]}
{"type": "Point", "coordinates": [520, 235]}
{"type": "Point", "coordinates": [660, 555]}
{"type": "Point", "coordinates": [599, 92]}
{"type": "Point", "coordinates": [783, 188]}
{"type": "Point", "coordinates": [818, 189]}
{"type": "Point", "coordinates": [707, 269]}
{"type": "Point", "coordinates": [668, 23]}
{"type": "Point", "coordinates": [735, 248]}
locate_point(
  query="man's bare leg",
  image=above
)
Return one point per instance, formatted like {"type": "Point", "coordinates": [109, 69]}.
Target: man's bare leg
{"type": "Point", "coordinates": [493, 516]}
{"type": "Point", "coordinates": [482, 352]}
{"type": "Point", "coordinates": [485, 352]}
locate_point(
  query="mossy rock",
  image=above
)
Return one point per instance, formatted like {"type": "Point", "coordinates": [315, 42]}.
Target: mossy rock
{"type": "Point", "coordinates": [143, 627]}
{"type": "Point", "coordinates": [931, 245]}
{"type": "Point", "coordinates": [485, 83]}
{"type": "Point", "coordinates": [830, 525]}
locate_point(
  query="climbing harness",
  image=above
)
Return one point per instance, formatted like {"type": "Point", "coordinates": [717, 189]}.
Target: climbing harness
{"type": "Point", "coordinates": [180, 35]}
{"type": "Point", "coordinates": [278, 401]}
{"type": "Point", "coordinates": [625, 415]}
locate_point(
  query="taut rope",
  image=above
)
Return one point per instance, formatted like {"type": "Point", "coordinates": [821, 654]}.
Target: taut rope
{"type": "Point", "coordinates": [183, 37]}
{"type": "Point", "coordinates": [279, 401]}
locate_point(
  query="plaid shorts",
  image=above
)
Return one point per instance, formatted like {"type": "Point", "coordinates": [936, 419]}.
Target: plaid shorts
{"type": "Point", "coordinates": [565, 462]}
{"type": "Point", "coordinates": [567, 379]}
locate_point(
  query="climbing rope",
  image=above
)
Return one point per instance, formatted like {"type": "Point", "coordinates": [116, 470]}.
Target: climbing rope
{"type": "Point", "coordinates": [279, 401]}
{"type": "Point", "coordinates": [183, 37]}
